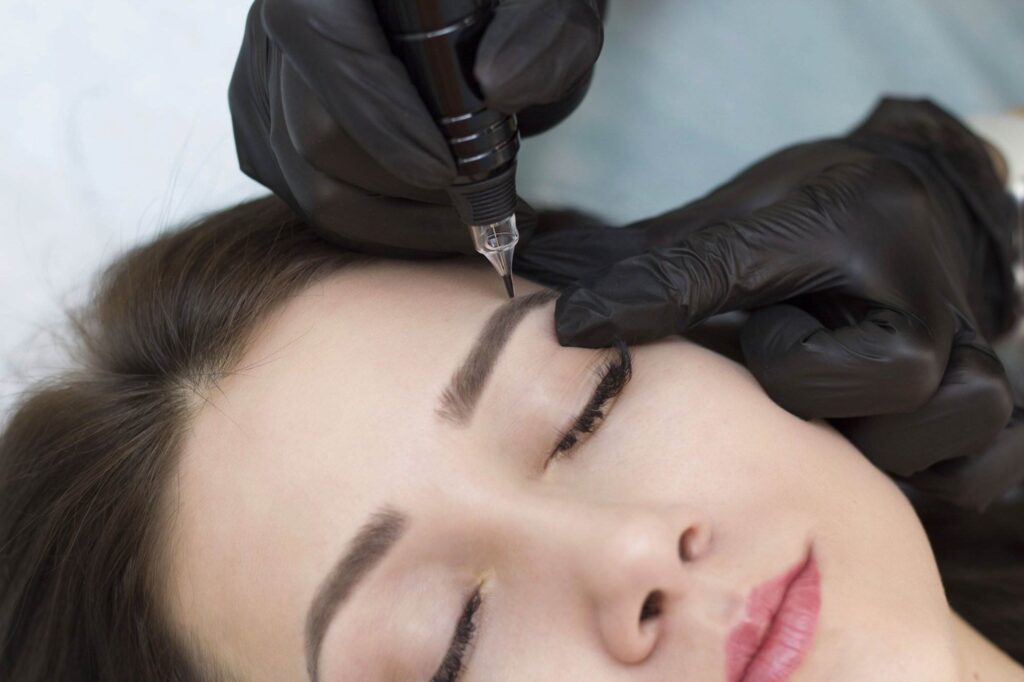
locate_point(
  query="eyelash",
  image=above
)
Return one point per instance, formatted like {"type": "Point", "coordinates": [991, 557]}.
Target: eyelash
{"type": "Point", "coordinates": [452, 665]}
{"type": "Point", "coordinates": [615, 374]}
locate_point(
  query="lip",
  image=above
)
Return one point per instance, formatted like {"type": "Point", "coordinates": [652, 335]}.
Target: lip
{"type": "Point", "coordinates": [778, 628]}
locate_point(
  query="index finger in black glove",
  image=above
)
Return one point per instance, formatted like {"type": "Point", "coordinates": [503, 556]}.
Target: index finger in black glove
{"type": "Point", "coordinates": [340, 50]}
{"type": "Point", "coordinates": [380, 214]}
{"type": "Point", "coordinates": [393, 219]}
{"type": "Point", "coordinates": [893, 359]}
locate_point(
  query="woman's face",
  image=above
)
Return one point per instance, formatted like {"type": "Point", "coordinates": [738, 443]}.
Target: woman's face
{"type": "Point", "coordinates": [341, 498]}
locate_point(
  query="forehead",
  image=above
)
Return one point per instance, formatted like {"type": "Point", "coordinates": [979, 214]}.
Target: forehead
{"type": "Point", "coordinates": [335, 390]}
{"type": "Point", "coordinates": [371, 347]}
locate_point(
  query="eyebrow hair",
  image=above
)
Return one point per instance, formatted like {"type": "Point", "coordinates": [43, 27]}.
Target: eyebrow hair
{"type": "Point", "coordinates": [385, 527]}
{"type": "Point", "coordinates": [367, 549]}
{"type": "Point", "coordinates": [459, 399]}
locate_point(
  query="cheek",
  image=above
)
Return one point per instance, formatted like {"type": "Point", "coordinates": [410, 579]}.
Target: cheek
{"type": "Point", "coordinates": [645, 449]}
{"type": "Point", "coordinates": [692, 423]}
{"type": "Point", "coordinates": [520, 640]}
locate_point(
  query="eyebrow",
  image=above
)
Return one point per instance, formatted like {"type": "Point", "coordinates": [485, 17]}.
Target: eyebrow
{"type": "Point", "coordinates": [385, 527]}
{"type": "Point", "coordinates": [368, 547]}
{"type": "Point", "coordinates": [459, 398]}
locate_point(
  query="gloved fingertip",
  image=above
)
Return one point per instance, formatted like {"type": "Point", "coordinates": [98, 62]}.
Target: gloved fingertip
{"type": "Point", "coordinates": [504, 87]}
{"type": "Point", "coordinates": [582, 320]}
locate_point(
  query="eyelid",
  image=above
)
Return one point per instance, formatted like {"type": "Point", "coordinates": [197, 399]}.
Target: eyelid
{"type": "Point", "coordinates": [454, 662]}
{"type": "Point", "coordinates": [616, 373]}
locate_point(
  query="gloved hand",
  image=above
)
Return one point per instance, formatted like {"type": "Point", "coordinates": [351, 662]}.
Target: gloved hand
{"type": "Point", "coordinates": [326, 117]}
{"type": "Point", "coordinates": [877, 266]}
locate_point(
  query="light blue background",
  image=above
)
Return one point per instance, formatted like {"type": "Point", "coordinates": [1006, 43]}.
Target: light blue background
{"type": "Point", "coordinates": [114, 120]}
{"type": "Point", "coordinates": [686, 92]}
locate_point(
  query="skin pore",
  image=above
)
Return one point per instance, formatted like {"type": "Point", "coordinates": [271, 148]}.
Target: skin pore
{"type": "Point", "coordinates": [695, 487]}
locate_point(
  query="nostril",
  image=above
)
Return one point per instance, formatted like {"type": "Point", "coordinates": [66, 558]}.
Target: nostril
{"type": "Point", "coordinates": [691, 543]}
{"type": "Point", "coordinates": [652, 606]}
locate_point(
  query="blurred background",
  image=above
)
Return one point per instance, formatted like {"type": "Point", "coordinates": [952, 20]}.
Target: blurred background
{"type": "Point", "coordinates": [115, 121]}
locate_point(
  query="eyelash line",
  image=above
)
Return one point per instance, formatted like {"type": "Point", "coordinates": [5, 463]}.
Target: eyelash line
{"type": "Point", "coordinates": [453, 663]}
{"type": "Point", "coordinates": [615, 374]}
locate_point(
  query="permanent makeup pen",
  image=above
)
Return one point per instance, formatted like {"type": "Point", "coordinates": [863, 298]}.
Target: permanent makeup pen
{"type": "Point", "coordinates": [437, 41]}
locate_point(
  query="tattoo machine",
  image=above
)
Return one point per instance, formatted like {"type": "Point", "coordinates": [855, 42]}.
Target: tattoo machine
{"type": "Point", "coordinates": [437, 40]}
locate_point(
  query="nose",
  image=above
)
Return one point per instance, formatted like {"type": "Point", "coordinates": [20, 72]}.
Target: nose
{"type": "Point", "coordinates": [638, 572]}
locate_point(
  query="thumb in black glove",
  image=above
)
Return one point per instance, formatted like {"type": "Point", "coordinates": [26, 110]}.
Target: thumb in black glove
{"type": "Point", "coordinates": [877, 266]}
{"type": "Point", "coordinates": [326, 116]}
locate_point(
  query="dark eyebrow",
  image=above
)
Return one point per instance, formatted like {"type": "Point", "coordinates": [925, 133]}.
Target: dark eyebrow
{"type": "Point", "coordinates": [368, 547]}
{"type": "Point", "coordinates": [385, 527]}
{"type": "Point", "coordinates": [459, 399]}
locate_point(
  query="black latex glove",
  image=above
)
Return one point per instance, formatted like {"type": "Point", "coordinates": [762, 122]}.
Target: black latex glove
{"type": "Point", "coordinates": [326, 117]}
{"type": "Point", "coordinates": [891, 250]}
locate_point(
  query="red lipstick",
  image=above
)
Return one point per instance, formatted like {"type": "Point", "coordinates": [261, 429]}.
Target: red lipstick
{"type": "Point", "coordinates": [778, 628]}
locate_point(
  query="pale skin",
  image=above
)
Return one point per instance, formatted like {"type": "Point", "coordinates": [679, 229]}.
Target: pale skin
{"type": "Point", "coordinates": [696, 485]}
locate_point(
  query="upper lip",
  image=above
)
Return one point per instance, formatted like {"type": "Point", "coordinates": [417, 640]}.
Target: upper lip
{"type": "Point", "coordinates": [762, 604]}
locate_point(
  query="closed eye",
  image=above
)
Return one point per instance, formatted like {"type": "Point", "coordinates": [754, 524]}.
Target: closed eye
{"type": "Point", "coordinates": [615, 374]}
{"type": "Point", "coordinates": [454, 661]}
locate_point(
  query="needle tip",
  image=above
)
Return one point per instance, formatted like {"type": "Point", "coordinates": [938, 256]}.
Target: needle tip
{"type": "Point", "coordinates": [507, 278]}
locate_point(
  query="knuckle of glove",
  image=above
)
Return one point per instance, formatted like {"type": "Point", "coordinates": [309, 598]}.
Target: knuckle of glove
{"type": "Point", "coordinates": [918, 369]}
{"type": "Point", "coordinates": [985, 387]}
{"type": "Point", "coordinates": [777, 374]}
{"type": "Point", "coordinates": [323, 201]}
{"type": "Point", "coordinates": [316, 136]}
{"type": "Point", "coordinates": [293, 23]}
{"type": "Point", "coordinates": [581, 43]}
{"type": "Point", "coordinates": [535, 52]}
{"type": "Point", "coordinates": [707, 268]}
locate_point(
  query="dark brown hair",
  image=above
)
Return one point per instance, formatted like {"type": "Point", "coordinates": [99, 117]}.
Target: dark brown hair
{"type": "Point", "coordinates": [85, 457]}
{"type": "Point", "coordinates": [981, 561]}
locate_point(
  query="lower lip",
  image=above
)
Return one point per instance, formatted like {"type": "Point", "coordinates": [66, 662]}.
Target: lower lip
{"type": "Point", "coordinates": [774, 637]}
